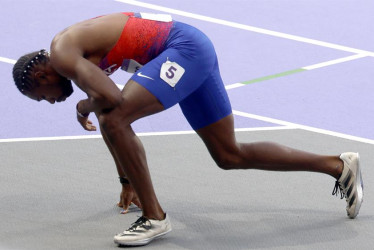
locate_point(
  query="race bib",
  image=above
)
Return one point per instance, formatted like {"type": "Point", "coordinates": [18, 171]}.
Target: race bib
{"type": "Point", "coordinates": [171, 72]}
{"type": "Point", "coordinates": [130, 65]}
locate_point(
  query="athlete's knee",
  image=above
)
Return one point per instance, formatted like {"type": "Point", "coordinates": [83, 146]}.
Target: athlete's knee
{"type": "Point", "coordinates": [227, 159]}
{"type": "Point", "coordinates": [112, 122]}
{"type": "Point", "coordinates": [107, 122]}
{"type": "Point", "coordinates": [226, 163]}
{"type": "Point", "coordinates": [116, 117]}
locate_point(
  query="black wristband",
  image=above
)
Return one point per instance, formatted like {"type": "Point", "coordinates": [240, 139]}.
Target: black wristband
{"type": "Point", "coordinates": [123, 180]}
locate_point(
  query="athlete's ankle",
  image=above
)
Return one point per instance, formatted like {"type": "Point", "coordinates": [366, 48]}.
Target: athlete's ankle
{"type": "Point", "coordinates": [339, 169]}
{"type": "Point", "coordinates": [155, 215]}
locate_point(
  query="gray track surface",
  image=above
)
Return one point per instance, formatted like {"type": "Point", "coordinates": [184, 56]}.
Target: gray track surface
{"type": "Point", "coordinates": [62, 195]}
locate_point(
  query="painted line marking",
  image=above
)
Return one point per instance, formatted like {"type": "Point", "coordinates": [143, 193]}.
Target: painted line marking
{"type": "Point", "coordinates": [184, 132]}
{"type": "Point", "coordinates": [307, 128]}
{"type": "Point", "coordinates": [294, 71]}
{"type": "Point", "coordinates": [335, 61]}
{"type": "Point", "coordinates": [265, 78]}
{"type": "Point", "coordinates": [284, 126]}
{"type": "Point", "coordinates": [12, 61]}
{"type": "Point", "coordinates": [7, 60]}
{"type": "Point", "coordinates": [234, 85]}
{"type": "Point", "coordinates": [120, 86]}
{"type": "Point", "coordinates": [246, 27]}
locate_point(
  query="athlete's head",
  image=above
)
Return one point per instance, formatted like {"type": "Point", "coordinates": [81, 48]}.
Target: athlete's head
{"type": "Point", "coordinates": [35, 78]}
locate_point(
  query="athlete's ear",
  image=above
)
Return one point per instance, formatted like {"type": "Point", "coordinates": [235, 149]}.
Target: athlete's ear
{"type": "Point", "coordinates": [40, 75]}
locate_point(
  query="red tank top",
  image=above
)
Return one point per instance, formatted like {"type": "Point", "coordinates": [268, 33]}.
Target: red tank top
{"type": "Point", "coordinates": [142, 39]}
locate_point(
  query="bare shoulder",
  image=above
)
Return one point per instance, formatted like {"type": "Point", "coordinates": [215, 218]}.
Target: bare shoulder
{"type": "Point", "coordinates": [90, 39]}
{"type": "Point", "coordinates": [94, 36]}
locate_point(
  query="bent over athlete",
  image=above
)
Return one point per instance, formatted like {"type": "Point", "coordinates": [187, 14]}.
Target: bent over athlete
{"type": "Point", "coordinates": [173, 63]}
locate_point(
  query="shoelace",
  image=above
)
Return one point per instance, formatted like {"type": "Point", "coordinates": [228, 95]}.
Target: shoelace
{"type": "Point", "coordinates": [139, 223]}
{"type": "Point", "coordinates": [338, 189]}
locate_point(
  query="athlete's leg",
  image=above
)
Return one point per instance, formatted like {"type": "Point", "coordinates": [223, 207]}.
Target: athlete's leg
{"type": "Point", "coordinates": [127, 196]}
{"type": "Point", "coordinates": [208, 110]}
{"type": "Point", "coordinates": [220, 140]}
{"type": "Point", "coordinates": [126, 146]}
{"type": "Point", "coordinates": [120, 170]}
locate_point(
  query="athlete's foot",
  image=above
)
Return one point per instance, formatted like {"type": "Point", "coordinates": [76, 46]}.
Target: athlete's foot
{"type": "Point", "coordinates": [143, 231]}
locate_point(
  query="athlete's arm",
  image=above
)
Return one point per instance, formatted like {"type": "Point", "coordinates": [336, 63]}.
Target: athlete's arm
{"type": "Point", "coordinates": [102, 92]}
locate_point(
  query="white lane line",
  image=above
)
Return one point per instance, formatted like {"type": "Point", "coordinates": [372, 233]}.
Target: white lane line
{"type": "Point", "coordinates": [7, 60]}
{"type": "Point", "coordinates": [120, 86]}
{"type": "Point", "coordinates": [284, 126]}
{"type": "Point", "coordinates": [299, 126]}
{"type": "Point", "coordinates": [11, 61]}
{"type": "Point", "coordinates": [234, 85]}
{"type": "Point", "coordinates": [336, 61]}
{"type": "Point", "coordinates": [246, 27]}
{"type": "Point", "coordinates": [54, 138]}
{"type": "Point", "coordinates": [185, 132]}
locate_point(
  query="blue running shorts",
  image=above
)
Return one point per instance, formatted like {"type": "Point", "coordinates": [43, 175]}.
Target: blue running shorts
{"type": "Point", "coordinates": [187, 72]}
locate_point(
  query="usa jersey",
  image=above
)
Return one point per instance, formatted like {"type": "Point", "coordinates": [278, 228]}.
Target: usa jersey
{"type": "Point", "coordinates": [142, 39]}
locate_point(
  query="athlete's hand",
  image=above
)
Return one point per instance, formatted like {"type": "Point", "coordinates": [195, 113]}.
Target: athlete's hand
{"type": "Point", "coordinates": [86, 124]}
{"type": "Point", "coordinates": [127, 197]}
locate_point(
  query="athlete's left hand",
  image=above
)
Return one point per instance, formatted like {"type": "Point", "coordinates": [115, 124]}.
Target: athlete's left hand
{"type": "Point", "coordinates": [128, 197]}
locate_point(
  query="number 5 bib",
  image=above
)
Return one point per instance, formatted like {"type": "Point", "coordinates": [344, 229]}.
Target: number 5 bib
{"type": "Point", "coordinates": [171, 72]}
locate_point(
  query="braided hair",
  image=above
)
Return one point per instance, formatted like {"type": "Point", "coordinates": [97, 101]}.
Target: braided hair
{"type": "Point", "coordinates": [23, 68]}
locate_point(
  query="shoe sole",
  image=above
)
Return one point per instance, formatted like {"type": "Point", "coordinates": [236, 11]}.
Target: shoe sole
{"type": "Point", "coordinates": [359, 189]}
{"type": "Point", "coordinates": [141, 242]}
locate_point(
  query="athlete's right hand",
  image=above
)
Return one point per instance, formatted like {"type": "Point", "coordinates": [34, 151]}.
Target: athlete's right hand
{"type": "Point", "coordinates": [127, 197]}
{"type": "Point", "coordinates": [86, 124]}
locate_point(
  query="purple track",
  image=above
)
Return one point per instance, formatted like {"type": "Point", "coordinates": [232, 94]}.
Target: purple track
{"type": "Point", "coordinates": [336, 98]}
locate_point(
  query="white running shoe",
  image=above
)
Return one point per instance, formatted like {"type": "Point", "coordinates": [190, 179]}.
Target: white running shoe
{"type": "Point", "coordinates": [143, 231]}
{"type": "Point", "coordinates": [350, 183]}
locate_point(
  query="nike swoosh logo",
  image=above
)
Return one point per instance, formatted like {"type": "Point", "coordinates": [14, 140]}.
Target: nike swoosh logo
{"type": "Point", "coordinates": [141, 75]}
